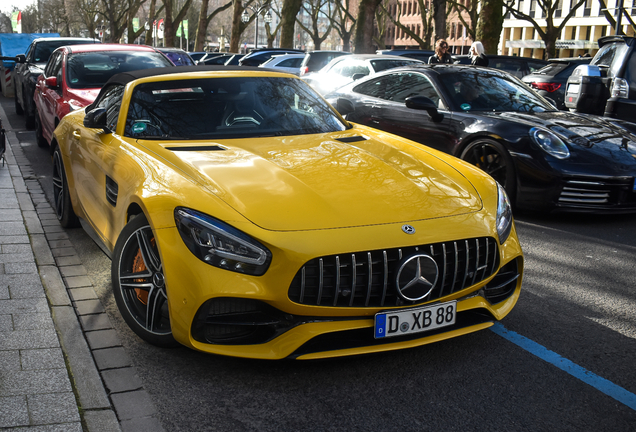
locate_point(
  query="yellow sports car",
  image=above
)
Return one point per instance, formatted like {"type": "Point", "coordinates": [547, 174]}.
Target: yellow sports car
{"type": "Point", "coordinates": [246, 217]}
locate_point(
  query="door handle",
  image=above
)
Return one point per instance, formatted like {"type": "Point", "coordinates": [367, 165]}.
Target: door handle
{"type": "Point", "coordinates": [76, 134]}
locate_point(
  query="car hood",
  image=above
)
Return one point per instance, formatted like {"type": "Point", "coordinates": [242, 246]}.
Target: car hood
{"type": "Point", "coordinates": [313, 182]}
{"type": "Point", "coordinates": [593, 140]}
{"type": "Point", "coordinates": [83, 97]}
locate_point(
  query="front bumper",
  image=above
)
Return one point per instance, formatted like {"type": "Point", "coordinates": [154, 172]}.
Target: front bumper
{"type": "Point", "coordinates": [222, 312]}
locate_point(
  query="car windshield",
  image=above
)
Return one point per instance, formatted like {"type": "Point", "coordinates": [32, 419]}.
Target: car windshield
{"type": "Point", "coordinates": [43, 50]}
{"type": "Point", "coordinates": [472, 90]}
{"type": "Point", "coordinates": [380, 65]}
{"type": "Point", "coordinates": [611, 56]}
{"type": "Point", "coordinates": [218, 108]}
{"type": "Point", "coordinates": [93, 69]}
{"type": "Point", "coordinates": [179, 58]}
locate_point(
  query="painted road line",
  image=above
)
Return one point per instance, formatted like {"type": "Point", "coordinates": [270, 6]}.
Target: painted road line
{"type": "Point", "coordinates": [601, 384]}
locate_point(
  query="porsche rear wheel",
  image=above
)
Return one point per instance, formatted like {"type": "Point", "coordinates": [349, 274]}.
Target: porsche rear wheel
{"type": "Point", "coordinates": [63, 207]}
{"type": "Point", "coordinates": [492, 158]}
{"type": "Point", "coordinates": [139, 284]}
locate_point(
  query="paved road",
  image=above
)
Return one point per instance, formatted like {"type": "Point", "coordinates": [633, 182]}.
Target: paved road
{"type": "Point", "coordinates": [578, 302]}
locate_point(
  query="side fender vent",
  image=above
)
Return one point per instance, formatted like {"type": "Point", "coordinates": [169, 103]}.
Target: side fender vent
{"type": "Point", "coordinates": [352, 139]}
{"type": "Point", "coordinates": [111, 191]}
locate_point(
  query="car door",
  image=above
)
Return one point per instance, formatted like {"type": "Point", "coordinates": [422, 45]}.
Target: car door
{"type": "Point", "coordinates": [93, 156]}
{"type": "Point", "coordinates": [49, 97]}
{"type": "Point", "coordinates": [391, 114]}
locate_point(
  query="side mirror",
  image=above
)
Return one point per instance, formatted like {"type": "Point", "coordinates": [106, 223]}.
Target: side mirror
{"type": "Point", "coordinates": [20, 58]}
{"type": "Point", "coordinates": [357, 76]}
{"type": "Point", "coordinates": [51, 82]}
{"type": "Point", "coordinates": [96, 119]}
{"type": "Point", "coordinates": [344, 106]}
{"type": "Point", "coordinates": [424, 103]}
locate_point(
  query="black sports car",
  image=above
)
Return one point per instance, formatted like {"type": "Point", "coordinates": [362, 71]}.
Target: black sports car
{"type": "Point", "coordinates": [548, 160]}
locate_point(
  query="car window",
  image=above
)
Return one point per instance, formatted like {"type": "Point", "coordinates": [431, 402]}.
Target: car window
{"type": "Point", "coordinates": [291, 63]}
{"type": "Point", "coordinates": [474, 91]}
{"type": "Point", "coordinates": [216, 108]}
{"type": "Point", "coordinates": [111, 102]}
{"type": "Point", "coordinates": [179, 59]}
{"type": "Point", "coordinates": [535, 66]}
{"type": "Point", "coordinates": [400, 86]}
{"type": "Point", "coordinates": [350, 68]}
{"type": "Point", "coordinates": [374, 87]}
{"type": "Point", "coordinates": [611, 56]}
{"type": "Point", "coordinates": [552, 69]}
{"type": "Point", "coordinates": [54, 65]}
{"type": "Point", "coordinates": [93, 69]}
{"type": "Point", "coordinates": [514, 67]}
{"type": "Point", "coordinates": [380, 65]}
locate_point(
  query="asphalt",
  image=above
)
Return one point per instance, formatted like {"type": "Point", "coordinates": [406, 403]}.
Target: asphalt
{"type": "Point", "coordinates": [62, 365]}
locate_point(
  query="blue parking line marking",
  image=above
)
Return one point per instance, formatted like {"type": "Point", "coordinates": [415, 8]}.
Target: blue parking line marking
{"type": "Point", "coordinates": [609, 388]}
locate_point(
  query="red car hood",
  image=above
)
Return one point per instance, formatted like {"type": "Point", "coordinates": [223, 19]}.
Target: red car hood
{"type": "Point", "coordinates": [82, 97]}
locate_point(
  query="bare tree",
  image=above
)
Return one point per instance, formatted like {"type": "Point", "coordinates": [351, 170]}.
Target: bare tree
{"type": "Point", "coordinates": [439, 17]}
{"type": "Point", "coordinates": [427, 24]}
{"type": "Point", "coordinates": [344, 23]}
{"type": "Point", "coordinates": [470, 9]}
{"type": "Point", "coordinates": [204, 22]}
{"type": "Point", "coordinates": [610, 19]}
{"type": "Point", "coordinates": [288, 21]}
{"type": "Point", "coordinates": [363, 39]}
{"type": "Point", "coordinates": [551, 33]}
{"type": "Point", "coordinates": [171, 24]}
{"type": "Point", "coordinates": [315, 9]}
{"type": "Point", "coordinates": [490, 24]}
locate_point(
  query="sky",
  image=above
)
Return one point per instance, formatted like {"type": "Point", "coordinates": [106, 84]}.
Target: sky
{"type": "Point", "coordinates": [6, 6]}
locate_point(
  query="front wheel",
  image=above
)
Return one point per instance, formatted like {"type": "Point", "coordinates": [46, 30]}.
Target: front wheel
{"type": "Point", "coordinates": [139, 284]}
{"type": "Point", "coordinates": [62, 200]}
{"type": "Point", "coordinates": [492, 158]}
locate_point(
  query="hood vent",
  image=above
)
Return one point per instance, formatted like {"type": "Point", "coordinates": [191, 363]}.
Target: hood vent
{"type": "Point", "coordinates": [197, 148]}
{"type": "Point", "coordinates": [352, 139]}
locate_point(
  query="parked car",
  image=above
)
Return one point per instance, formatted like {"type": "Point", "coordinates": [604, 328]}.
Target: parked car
{"type": "Point", "coordinates": [209, 56]}
{"type": "Point", "coordinates": [177, 56]}
{"type": "Point", "coordinates": [416, 54]}
{"type": "Point", "coordinates": [196, 55]}
{"type": "Point", "coordinates": [550, 81]}
{"type": "Point", "coordinates": [517, 66]}
{"type": "Point", "coordinates": [74, 75]}
{"type": "Point", "coordinates": [289, 63]}
{"type": "Point", "coordinates": [216, 60]}
{"type": "Point", "coordinates": [261, 55]}
{"type": "Point", "coordinates": [234, 60]}
{"type": "Point", "coordinates": [343, 70]}
{"type": "Point", "coordinates": [245, 217]}
{"type": "Point", "coordinates": [548, 160]}
{"type": "Point", "coordinates": [607, 86]}
{"type": "Point", "coordinates": [316, 60]}
{"type": "Point", "coordinates": [30, 65]}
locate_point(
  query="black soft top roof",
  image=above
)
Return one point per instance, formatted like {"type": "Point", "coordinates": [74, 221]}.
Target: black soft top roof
{"type": "Point", "coordinates": [126, 77]}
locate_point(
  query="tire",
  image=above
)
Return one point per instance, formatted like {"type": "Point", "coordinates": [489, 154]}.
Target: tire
{"type": "Point", "coordinates": [138, 284]}
{"type": "Point", "coordinates": [29, 115]}
{"type": "Point", "coordinates": [62, 200]}
{"type": "Point", "coordinates": [492, 158]}
{"type": "Point", "coordinates": [39, 135]}
{"type": "Point", "coordinates": [18, 107]}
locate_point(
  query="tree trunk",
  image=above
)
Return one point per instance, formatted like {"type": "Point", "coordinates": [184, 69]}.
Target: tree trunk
{"type": "Point", "coordinates": [363, 39]}
{"type": "Point", "coordinates": [490, 24]}
{"type": "Point", "coordinates": [151, 23]}
{"type": "Point", "coordinates": [237, 26]}
{"type": "Point", "coordinates": [288, 21]}
{"type": "Point", "coordinates": [439, 16]}
{"type": "Point", "coordinates": [202, 27]}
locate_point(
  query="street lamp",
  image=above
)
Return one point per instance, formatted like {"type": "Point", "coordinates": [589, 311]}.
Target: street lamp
{"type": "Point", "coordinates": [256, 7]}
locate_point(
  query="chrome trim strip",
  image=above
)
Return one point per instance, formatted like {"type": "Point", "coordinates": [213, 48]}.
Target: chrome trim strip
{"type": "Point", "coordinates": [386, 277]}
{"type": "Point", "coordinates": [353, 279]}
{"type": "Point", "coordinates": [370, 275]}
{"type": "Point", "coordinates": [456, 268]}
{"type": "Point", "coordinates": [335, 300]}
{"type": "Point", "coordinates": [302, 285]}
{"type": "Point", "coordinates": [320, 282]}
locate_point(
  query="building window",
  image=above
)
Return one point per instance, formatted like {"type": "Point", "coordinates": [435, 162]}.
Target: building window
{"type": "Point", "coordinates": [587, 9]}
{"type": "Point", "coordinates": [588, 33]}
{"type": "Point", "coordinates": [533, 8]}
{"type": "Point", "coordinates": [557, 12]}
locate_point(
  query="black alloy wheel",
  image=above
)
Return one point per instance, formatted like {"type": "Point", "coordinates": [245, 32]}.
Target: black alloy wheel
{"type": "Point", "coordinates": [63, 207]}
{"type": "Point", "coordinates": [139, 284]}
{"type": "Point", "coordinates": [492, 158]}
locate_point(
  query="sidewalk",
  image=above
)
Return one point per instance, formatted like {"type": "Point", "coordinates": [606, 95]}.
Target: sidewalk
{"type": "Point", "coordinates": [48, 377]}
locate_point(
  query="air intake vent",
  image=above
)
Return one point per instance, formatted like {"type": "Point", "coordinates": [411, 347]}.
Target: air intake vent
{"type": "Point", "coordinates": [111, 191]}
{"type": "Point", "coordinates": [352, 139]}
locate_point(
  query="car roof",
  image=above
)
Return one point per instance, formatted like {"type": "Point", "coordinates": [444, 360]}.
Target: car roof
{"type": "Point", "coordinates": [171, 49]}
{"type": "Point", "coordinates": [108, 47]}
{"type": "Point", "coordinates": [44, 39]}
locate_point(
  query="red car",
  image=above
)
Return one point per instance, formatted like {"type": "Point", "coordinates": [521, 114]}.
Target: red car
{"type": "Point", "coordinates": [75, 74]}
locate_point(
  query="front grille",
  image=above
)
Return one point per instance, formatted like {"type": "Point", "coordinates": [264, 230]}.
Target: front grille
{"type": "Point", "coordinates": [597, 193]}
{"type": "Point", "coordinates": [367, 279]}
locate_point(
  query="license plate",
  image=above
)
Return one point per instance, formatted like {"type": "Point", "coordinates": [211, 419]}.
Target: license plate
{"type": "Point", "coordinates": [573, 88]}
{"type": "Point", "coordinates": [416, 320]}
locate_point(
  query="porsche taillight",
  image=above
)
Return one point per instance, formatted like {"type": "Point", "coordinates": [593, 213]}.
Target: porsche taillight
{"type": "Point", "coordinates": [549, 87]}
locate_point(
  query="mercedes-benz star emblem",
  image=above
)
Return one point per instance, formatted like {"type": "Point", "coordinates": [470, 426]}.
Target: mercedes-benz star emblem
{"type": "Point", "coordinates": [408, 229]}
{"type": "Point", "coordinates": [416, 277]}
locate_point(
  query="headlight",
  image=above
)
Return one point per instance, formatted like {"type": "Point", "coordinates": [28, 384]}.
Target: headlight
{"type": "Point", "coordinates": [504, 214]}
{"type": "Point", "coordinates": [221, 245]}
{"type": "Point", "coordinates": [550, 143]}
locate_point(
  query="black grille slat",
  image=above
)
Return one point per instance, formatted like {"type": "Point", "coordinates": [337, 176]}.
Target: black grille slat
{"type": "Point", "coordinates": [367, 279]}
{"type": "Point", "coordinates": [595, 192]}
